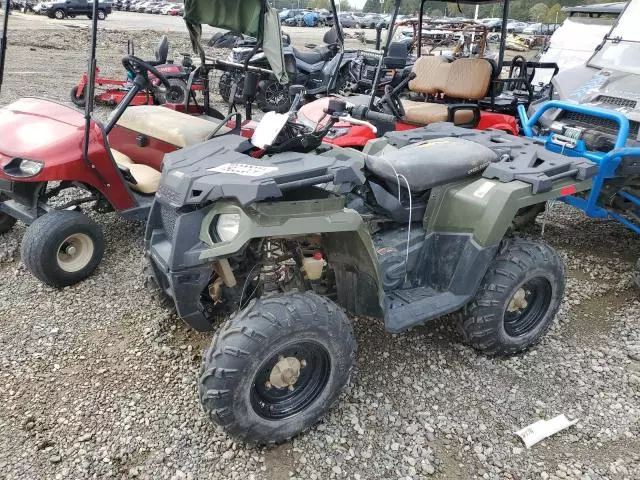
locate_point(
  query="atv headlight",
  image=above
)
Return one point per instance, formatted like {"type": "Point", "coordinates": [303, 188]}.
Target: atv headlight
{"type": "Point", "coordinates": [228, 226]}
{"type": "Point", "coordinates": [23, 168]}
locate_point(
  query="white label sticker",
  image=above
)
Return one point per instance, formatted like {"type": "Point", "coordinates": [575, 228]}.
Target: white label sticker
{"type": "Point", "coordinates": [243, 169]}
{"type": "Point", "coordinates": [483, 189]}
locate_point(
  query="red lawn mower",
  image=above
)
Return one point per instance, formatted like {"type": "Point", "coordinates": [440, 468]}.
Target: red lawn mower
{"type": "Point", "coordinates": [176, 74]}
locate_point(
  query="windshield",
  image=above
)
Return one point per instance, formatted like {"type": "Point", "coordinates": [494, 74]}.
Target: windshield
{"type": "Point", "coordinates": [621, 51]}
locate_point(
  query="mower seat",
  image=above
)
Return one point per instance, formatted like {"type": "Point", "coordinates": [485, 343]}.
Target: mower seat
{"type": "Point", "coordinates": [431, 163]}
{"type": "Point", "coordinates": [170, 126]}
{"type": "Point", "coordinates": [146, 178]}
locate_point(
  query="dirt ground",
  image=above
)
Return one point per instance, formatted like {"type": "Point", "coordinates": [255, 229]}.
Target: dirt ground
{"type": "Point", "coordinates": [98, 381]}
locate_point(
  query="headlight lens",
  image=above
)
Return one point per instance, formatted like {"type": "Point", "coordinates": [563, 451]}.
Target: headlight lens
{"type": "Point", "coordinates": [228, 226]}
{"type": "Point", "coordinates": [23, 168]}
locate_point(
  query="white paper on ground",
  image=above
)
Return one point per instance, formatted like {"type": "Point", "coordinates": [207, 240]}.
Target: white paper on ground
{"type": "Point", "coordinates": [542, 429]}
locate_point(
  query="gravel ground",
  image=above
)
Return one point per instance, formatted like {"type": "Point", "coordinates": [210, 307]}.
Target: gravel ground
{"type": "Point", "coordinates": [98, 381]}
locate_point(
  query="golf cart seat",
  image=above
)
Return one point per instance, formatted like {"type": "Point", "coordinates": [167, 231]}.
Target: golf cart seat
{"type": "Point", "coordinates": [466, 79]}
{"type": "Point", "coordinates": [146, 178]}
{"type": "Point", "coordinates": [431, 163]}
{"type": "Point", "coordinates": [170, 126]}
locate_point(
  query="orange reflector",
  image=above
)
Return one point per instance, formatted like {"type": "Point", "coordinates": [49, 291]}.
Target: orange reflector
{"type": "Point", "coordinates": [568, 190]}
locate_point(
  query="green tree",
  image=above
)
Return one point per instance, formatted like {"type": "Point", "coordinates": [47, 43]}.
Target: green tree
{"type": "Point", "coordinates": [555, 14]}
{"type": "Point", "coordinates": [371, 6]}
{"type": "Point", "coordinates": [345, 6]}
{"type": "Point", "coordinates": [538, 12]}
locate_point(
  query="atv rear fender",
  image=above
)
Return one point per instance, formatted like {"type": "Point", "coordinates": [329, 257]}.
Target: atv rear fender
{"type": "Point", "coordinates": [486, 208]}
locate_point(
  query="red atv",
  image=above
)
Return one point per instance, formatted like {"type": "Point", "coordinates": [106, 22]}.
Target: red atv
{"type": "Point", "coordinates": [177, 75]}
{"type": "Point", "coordinates": [439, 91]}
{"type": "Point", "coordinates": [47, 148]}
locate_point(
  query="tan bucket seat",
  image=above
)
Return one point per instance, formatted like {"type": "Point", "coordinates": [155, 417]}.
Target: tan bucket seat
{"type": "Point", "coordinates": [170, 126]}
{"type": "Point", "coordinates": [464, 79]}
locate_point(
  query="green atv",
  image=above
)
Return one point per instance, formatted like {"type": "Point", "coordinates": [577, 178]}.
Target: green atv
{"type": "Point", "coordinates": [280, 247]}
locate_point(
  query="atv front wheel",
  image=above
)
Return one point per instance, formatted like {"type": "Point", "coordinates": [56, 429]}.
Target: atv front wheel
{"type": "Point", "coordinates": [517, 300]}
{"type": "Point", "coordinates": [272, 96]}
{"type": "Point", "coordinates": [225, 84]}
{"type": "Point", "coordinates": [176, 93]}
{"type": "Point", "coordinates": [277, 367]}
{"type": "Point", "coordinates": [78, 100]}
{"type": "Point", "coordinates": [62, 247]}
{"type": "Point", "coordinates": [6, 223]}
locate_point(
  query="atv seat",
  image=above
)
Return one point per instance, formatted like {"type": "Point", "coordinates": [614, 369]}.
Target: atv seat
{"type": "Point", "coordinates": [431, 163]}
{"type": "Point", "coordinates": [466, 79]}
{"type": "Point", "coordinates": [170, 126]}
{"type": "Point", "coordinates": [146, 178]}
{"type": "Point", "coordinates": [309, 57]}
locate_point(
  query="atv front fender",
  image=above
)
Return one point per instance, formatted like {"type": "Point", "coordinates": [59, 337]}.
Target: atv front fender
{"type": "Point", "coordinates": [486, 208]}
{"type": "Point", "coordinates": [345, 238]}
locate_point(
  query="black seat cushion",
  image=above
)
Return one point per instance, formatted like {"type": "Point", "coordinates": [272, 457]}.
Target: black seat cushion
{"type": "Point", "coordinates": [308, 57]}
{"type": "Point", "coordinates": [431, 163]}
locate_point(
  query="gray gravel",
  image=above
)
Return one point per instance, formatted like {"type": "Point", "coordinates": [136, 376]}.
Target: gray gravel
{"type": "Point", "coordinates": [98, 381]}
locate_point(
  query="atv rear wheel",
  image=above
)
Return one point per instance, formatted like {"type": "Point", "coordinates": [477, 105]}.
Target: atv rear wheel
{"type": "Point", "coordinates": [272, 96]}
{"type": "Point", "coordinates": [277, 367]}
{"type": "Point", "coordinates": [6, 223]}
{"type": "Point", "coordinates": [62, 247]}
{"type": "Point", "coordinates": [517, 300]}
{"type": "Point", "coordinates": [78, 100]}
{"type": "Point", "coordinates": [59, 14]}
{"type": "Point", "coordinates": [176, 93]}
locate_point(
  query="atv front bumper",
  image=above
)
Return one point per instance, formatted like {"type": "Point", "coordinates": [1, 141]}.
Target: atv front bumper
{"type": "Point", "coordinates": [183, 288]}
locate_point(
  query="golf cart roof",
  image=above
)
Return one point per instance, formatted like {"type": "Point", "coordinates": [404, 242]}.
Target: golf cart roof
{"type": "Point", "coordinates": [599, 9]}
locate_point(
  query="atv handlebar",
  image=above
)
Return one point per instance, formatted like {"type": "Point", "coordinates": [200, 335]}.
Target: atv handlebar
{"type": "Point", "coordinates": [363, 112]}
{"type": "Point", "coordinates": [355, 121]}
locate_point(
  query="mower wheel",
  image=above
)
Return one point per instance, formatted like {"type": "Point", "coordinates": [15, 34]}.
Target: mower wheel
{"type": "Point", "coordinates": [176, 93]}
{"type": "Point", "coordinates": [517, 300]}
{"type": "Point", "coordinates": [62, 247]}
{"type": "Point", "coordinates": [277, 367]}
{"type": "Point", "coordinates": [59, 14]}
{"type": "Point", "coordinates": [78, 100]}
{"type": "Point", "coordinates": [6, 223]}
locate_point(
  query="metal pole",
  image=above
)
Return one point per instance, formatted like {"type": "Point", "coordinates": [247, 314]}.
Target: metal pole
{"type": "Point", "coordinates": [503, 33]}
{"type": "Point", "coordinates": [88, 109]}
{"type": "Point", "coordinates": [3, 39]}
{"type": "Point", "coordinates": [392, 24]}
{"type": "Point", "coordinates": [420, 27]}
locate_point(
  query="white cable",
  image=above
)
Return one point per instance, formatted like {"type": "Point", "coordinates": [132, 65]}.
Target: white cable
{"type": "Point", "coordinates": [398, 175]}
{"type": "Point", "coordinates": [406, 260]}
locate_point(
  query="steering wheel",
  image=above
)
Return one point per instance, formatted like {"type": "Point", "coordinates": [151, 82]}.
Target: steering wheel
{"type": "Point", "coordinates": [135, 66]}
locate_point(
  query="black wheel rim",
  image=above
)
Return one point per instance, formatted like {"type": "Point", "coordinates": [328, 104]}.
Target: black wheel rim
{"type": "Point", "coordinates": [175, 94]}
{"type": "Point", "coordinates": [527, 307]}
{"type": "Point", "coordinates": [275, 94]}
{"type": "Point", "coordinates": [280, 402]}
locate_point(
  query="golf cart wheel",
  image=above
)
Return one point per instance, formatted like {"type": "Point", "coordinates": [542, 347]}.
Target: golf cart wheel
{"type": "Point", "coordinates": [78, 100]}
{"type": "Point", "coordinates": [277, 367]}
{"type": "Point", "coordinates": [517, 300]}
{"type": "Point", "coordinates": [6, 223]}
{"type": "Point", "coordinates": [272, 96]}
{"type": "Point", "coordinates": [62, 247]}
{"type": "Point", "coordinates": [59, 14]}
{"type": "Point", "coordinates": [176, 93]}
{"type": "Point", "coordinates": [102, 15]}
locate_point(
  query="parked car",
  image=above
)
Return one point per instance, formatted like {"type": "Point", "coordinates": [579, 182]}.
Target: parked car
{"type": "Point", "coordinates": [165, 9]}
{"type": "Point", "coordinates": [176, 10]}
{"type": "Point", "coordinates": [516, 27]}
{"type": "Point", "coordinates": [540, 29]}
{"type": "Point", "coordinates": [72, 8]}
{"type": "Point", "coordinates": [372, 20]}
{"type": "Point", "coordinates": [348, 21]}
